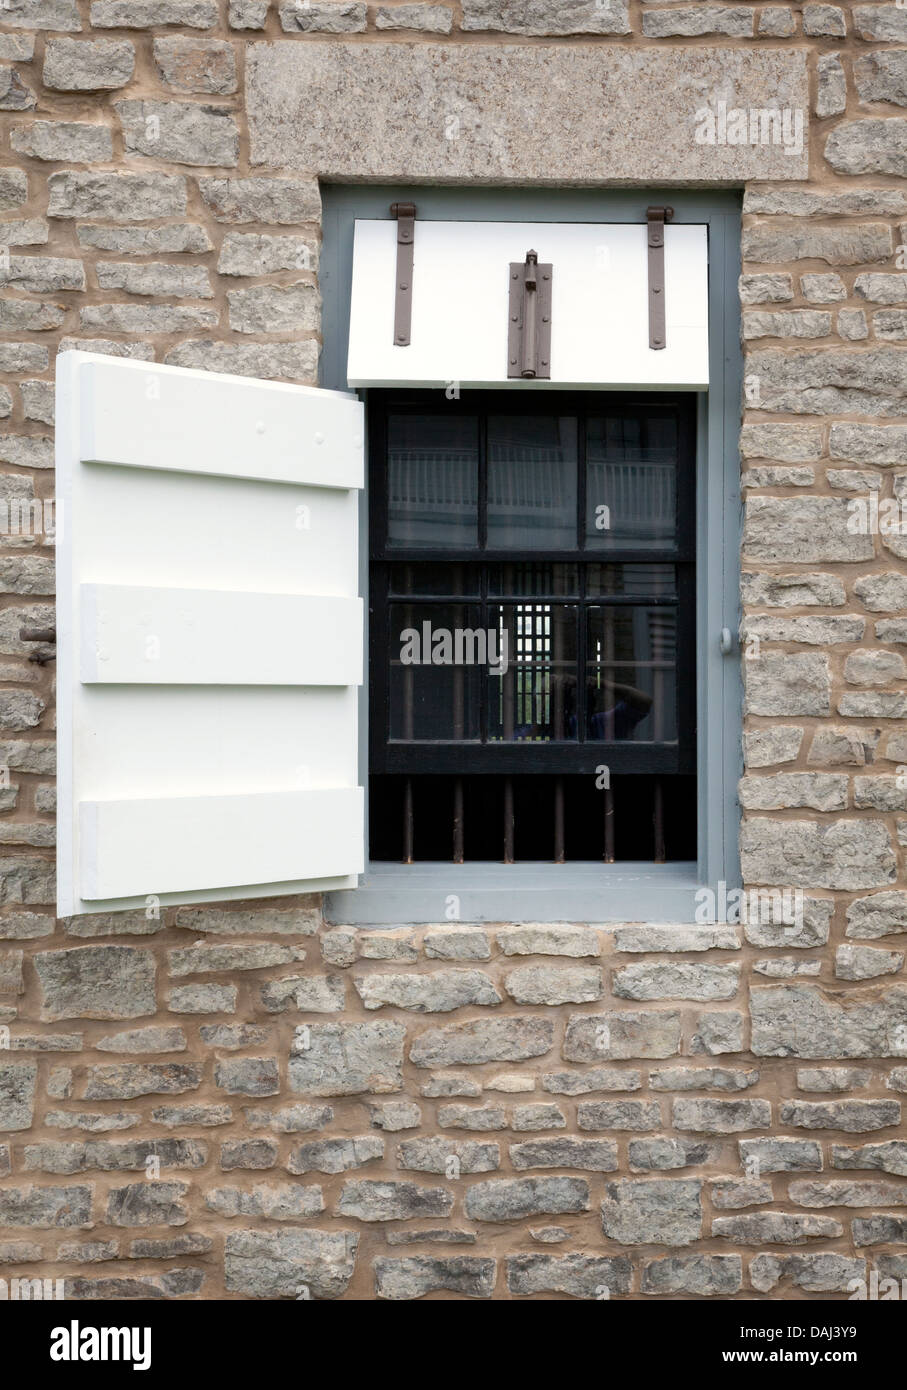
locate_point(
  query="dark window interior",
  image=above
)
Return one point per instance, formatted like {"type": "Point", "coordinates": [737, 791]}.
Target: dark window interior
{"type": "Point", "coordinates": [532, 621]}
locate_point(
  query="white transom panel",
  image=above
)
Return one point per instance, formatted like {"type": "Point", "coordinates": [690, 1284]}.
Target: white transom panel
{"type": "Point", "coordinates": [599, 316]}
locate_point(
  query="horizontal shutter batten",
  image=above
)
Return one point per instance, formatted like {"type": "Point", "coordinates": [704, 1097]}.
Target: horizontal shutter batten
{"type": "Point", "coordinates": [141, 415]}
{"type": "Point", "coordinates": [269, 837]}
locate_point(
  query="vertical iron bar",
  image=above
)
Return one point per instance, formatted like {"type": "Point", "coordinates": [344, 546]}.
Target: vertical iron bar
{"type": "Point", "coordinates": [581, 488]}
{"type": "Point", "coordinates": [509, 693]}
{"type": "Point", "coordinates": [557, 615]}
{"type": "Point", "coordinates": [408, 821]}
{"type": "Point", "coordinates": [658, 820]}
{"type": "Point", "coordinates": [408, 682]}
{"type": "Point", "coordinates": [482, 482]}
{"type": "Point", "coordinates": [609, 825]}
{"type": "Point", "coordinates": [459, 692]}
{"type": "Point", "coordinates": [509, 823]}
{"type": "Point", "coordinates": [608, 674]}
{"type": "Point", "coordinates": [458, 850]}
{"type": "Point", "coordinates": [559, 820]}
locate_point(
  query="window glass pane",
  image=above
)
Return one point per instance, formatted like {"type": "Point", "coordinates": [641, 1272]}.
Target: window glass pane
{"type": "Point", "coordinates": [532, 469]}
{"type": "Point", "coordinates": [631, 482]}
{"type": "Point", "coordinates": [435, 654]}
{"type": "Point", "coordinates": [630, 581]}
{"type": "Point", "coordinates": [433, 481]}
{"type": "Point", "coordinates": [534, 697]}
{"type": "Point", "coordinates": [428, 579]}
{"type": "Point", "coordinates": [631, 674]}
{"type": "Point", "coordinates": [533, 580]}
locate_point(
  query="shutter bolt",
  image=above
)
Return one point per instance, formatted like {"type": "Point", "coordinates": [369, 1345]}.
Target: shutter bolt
{"type": "Point", "coordinates": [529, 318]}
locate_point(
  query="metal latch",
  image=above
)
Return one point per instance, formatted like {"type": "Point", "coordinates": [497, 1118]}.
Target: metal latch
{"type": "Point", "coordinates": [656, 218]}
{"type": "Point", "coordinates": [529, 326]}
{"type": "Point", "coordinates": [405, 214]}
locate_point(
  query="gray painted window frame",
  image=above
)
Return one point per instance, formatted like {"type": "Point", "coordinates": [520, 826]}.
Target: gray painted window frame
{"type": "Point", "coordinates": [391, 894]}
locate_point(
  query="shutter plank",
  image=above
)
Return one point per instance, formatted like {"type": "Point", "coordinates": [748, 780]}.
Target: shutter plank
{"type": "Point", "coordinates": [271, 837]}
{"type": "Point", "coordinates": [216, 637]}
{"type": "Point", "coordinates": [149, 417]}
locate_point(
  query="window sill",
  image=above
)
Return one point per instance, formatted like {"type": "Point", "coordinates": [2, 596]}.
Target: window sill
{"type": "Point", "coordinates": [412, 895]}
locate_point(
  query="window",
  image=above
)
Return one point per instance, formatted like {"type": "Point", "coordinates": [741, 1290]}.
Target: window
{"type": "Point", "coordinates": [532, 627]}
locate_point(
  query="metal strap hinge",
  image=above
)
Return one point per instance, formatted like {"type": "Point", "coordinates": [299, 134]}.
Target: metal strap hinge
{"type": "Point", "coordinates": [656, 218]}
{"type": "Point", "coordinates": [529, 319]}
{"type": "Point", "coordinates": [405, 214]}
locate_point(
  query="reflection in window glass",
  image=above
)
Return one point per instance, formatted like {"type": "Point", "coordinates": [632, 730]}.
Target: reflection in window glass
{"type": "Point", "coordinates": [631, 482]}
{"type": "Point", "coordinates": [436, 656]}
{"type": "Point", "coordinates": [425, 580]}
{"type": "Point", "coordinates": [534, 697]}
{"type": "Point", "coordinates": [638, 580]}
{"type": "Point", "coordinates": [532, 467]}
{"type": "Point", "coordinates": [433, 481]}
{"type": "Point", "coordinates": [631, 674]}
{"type": "Point", "coordinates": [536, 579]}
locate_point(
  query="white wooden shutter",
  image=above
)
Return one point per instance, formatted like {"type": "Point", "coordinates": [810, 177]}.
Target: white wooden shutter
{"type": "Point", "coordinates": [599, 309]}
{"type": "Point", "coordinates": [209, 636]}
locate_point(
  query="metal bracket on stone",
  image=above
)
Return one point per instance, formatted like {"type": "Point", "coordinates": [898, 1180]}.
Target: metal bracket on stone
{"type": "Point", "coordinates": [656, 218]}
{"type": "Point", "coordinates": [405, 214]}
{"type": "Point", "coordinates": [529, 319]}
{"type": "Point", "coordinates": [39, 634]}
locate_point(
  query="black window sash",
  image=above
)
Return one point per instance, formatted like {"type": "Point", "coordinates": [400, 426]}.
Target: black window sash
{"type": "Point", "coordinates": [581, 755]}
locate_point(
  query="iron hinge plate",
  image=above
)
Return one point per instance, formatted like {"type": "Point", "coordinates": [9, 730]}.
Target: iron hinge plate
{"type": "Point", "coordinates": [656, 217]}
{"type": "Point", "coordinates": [405, 213]}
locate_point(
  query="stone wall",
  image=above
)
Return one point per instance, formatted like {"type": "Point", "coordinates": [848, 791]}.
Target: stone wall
{"type": "Point", "coordinates": [239, 1102]}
